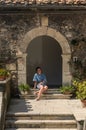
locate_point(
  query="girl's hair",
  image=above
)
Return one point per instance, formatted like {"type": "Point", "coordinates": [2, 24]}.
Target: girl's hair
{"type": "Point", "coordinates": [38, 68]}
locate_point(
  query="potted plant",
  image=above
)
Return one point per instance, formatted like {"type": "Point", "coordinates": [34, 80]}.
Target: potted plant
{"type": "Point", "coordinates": [67, 89]}
{"type": "Point", "coordinates": [3, 74]}
{"type": "Point", "coordinates": [24, 88]}
{"type": "Point", "coordinates": [81, 91]}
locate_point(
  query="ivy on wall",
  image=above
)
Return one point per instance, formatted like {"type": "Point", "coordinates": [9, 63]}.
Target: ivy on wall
{"type": "Point", "coordinates": [78, 60]}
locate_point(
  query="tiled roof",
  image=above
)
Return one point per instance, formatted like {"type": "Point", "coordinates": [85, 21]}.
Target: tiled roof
{"type": "Point", "coordinates": [43, 2]}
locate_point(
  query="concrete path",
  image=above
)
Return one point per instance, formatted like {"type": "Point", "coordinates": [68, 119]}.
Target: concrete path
{"type": "Point", "coordinates": [58, 106]}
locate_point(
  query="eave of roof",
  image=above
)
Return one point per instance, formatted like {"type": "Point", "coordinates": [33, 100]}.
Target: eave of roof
{"type": "Point", "coordinates": [11, 7]}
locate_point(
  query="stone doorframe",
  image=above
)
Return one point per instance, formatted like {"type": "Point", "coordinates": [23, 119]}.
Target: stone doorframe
{"type": "Point", "coordinates": [66, 52]}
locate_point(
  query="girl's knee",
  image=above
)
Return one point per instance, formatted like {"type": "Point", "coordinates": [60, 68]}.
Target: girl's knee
{"type": "Point", "coordinates": [46, 87]}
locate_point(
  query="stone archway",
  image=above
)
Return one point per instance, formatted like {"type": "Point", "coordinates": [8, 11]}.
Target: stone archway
{"type": "Point", "coordinates": [44, 51]}
{"type": "Point", "coordinates": [66, 52]}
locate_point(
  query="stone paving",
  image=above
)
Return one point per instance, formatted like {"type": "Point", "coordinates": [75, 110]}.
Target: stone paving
{"type": "Point", "coordinates": [56, 106]}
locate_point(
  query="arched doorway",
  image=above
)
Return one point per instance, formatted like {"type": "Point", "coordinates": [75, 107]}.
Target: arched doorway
{"type": "Point", "coordinates": [54, 34]}
{"type": "Point", "coordinates": [46, 52]}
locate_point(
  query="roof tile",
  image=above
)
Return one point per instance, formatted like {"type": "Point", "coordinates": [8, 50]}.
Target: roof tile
{"type": "Point", "coordinates": [39, 2]}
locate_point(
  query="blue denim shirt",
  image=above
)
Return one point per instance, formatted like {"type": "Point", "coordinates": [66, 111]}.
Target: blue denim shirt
{"type": "Point", "coordinates": [39, 78]}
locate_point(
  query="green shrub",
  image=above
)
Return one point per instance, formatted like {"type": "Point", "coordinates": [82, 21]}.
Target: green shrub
{"type": "Point", "coordinates": [4, 72]}
{"type": "Point", "coordinates": [24, 87]}
{"type": "Point", "coordinates": [67, 89]}
{"type": "Point", "coordinates": [80, 89]}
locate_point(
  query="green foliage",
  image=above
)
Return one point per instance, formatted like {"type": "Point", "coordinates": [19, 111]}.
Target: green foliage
{"type": "Point", "coordinates": [67, 89]}
{"type": "Point", "coordinates": [80, 89]}
{"type": "Point", "coordinates": [24, 87]}
{"type": "Point", "coordinates": [4, 72]}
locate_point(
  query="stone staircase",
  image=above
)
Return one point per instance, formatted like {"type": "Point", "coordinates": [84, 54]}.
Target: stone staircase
{"type": "Point", "coordinates": [50, 94]}
{"type": "Point", "coordinates": [40, 122]}
{"type": "Point", "coordinates": [19, 119]}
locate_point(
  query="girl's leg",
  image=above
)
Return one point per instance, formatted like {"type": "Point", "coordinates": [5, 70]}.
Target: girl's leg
{"type": "Point", "coordinates": [45, 88]}
{"type": "Point", "coordinates": [40, 92]}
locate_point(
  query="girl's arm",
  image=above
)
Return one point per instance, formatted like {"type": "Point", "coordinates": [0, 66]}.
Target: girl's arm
{"type": "Point", "coordinates": [35, 84]}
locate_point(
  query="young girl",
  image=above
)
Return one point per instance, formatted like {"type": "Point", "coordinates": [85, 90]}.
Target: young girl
{"type": "Point", "coordinates": [40, 82]}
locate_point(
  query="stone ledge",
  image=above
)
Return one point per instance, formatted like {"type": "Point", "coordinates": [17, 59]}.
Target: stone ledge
{"type": "Point", "coordinates": [4, 99]}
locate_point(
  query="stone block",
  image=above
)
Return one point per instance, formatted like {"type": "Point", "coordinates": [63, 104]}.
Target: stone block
{"type": "Point", "coordinates": [11, 66]}
{"type": "Point", "coordinates": [44, 21]}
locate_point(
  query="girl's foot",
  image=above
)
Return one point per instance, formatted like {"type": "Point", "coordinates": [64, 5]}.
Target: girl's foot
{"type": "Point", "coordinates": [35, 93]}
{"type": "Point", "coordinates": [37, 99]}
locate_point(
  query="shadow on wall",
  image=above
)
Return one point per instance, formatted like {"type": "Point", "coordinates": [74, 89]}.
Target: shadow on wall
{"type": "Point", "coordinates": [46, 52]}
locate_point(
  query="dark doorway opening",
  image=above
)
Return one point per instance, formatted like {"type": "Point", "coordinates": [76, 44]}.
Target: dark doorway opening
{"type": "Point", "coordinates": [45, 52]}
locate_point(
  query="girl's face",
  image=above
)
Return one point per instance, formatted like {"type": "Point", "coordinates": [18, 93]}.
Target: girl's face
{"type": "Point", "coordinates": [39, 71]}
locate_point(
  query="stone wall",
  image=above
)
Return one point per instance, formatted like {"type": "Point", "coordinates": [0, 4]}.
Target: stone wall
{"type": "Point", "coordinates": [13, 29]}
{"type": "Point", "coordinates": [70, 25]}
{"type": "Point", "coordinates": [4, 100]}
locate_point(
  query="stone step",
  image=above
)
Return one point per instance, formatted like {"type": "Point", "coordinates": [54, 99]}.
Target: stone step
{"type": "Point", "coordinates": [47, 96]}
{"type": "Point", "coordinates": [49, 91]}
{"type": "Point", "coordinates": [41, 124]}
{"type": "Point", "coordinates": [41, 129]}
{"type": "Point", "coordinates": [27, 116]}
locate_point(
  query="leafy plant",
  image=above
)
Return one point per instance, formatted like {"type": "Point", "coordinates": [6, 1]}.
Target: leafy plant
{"type": "Point", "coordinates": [67, 89]}
{"type": "Point", "coordinates": [80, 89]}
{"type": "Point", "coordinates": [4, 72]}
{"type": "Point", "coordinates": [24, 87]}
